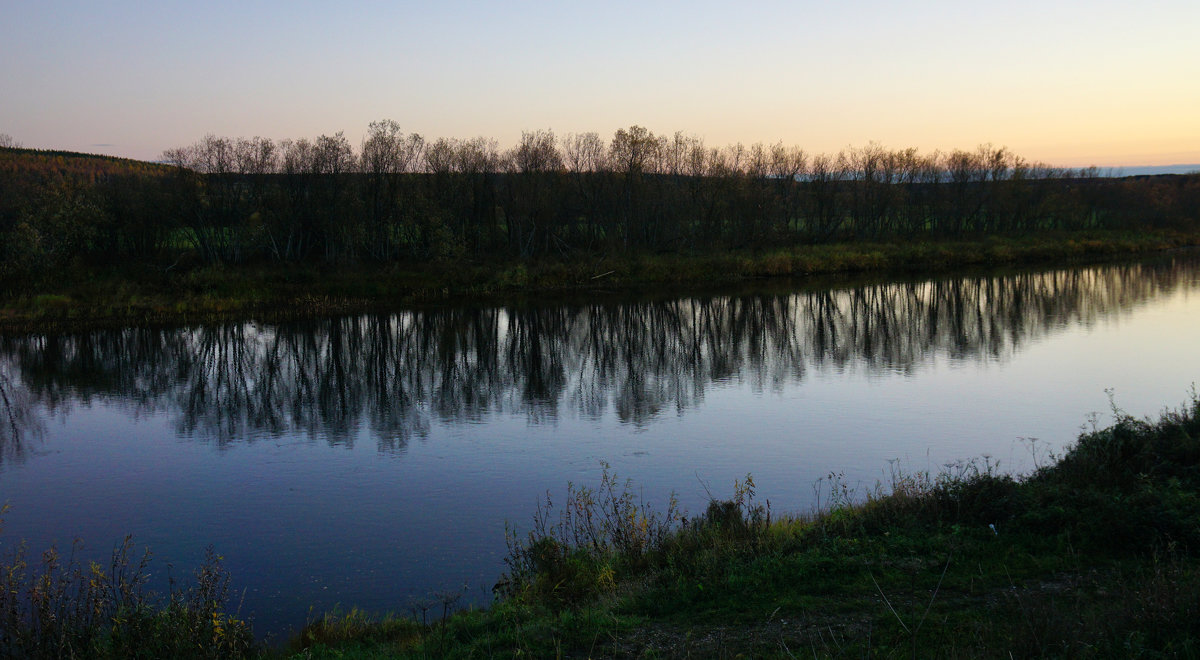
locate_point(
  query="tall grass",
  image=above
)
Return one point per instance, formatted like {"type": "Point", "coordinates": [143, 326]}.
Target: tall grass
{"type": "Point", "coordinates": [597, 533]}
{"type": "Point", "coordinates": [56, 606]}
{"type": "Point", "coordinates": [1094, 554]}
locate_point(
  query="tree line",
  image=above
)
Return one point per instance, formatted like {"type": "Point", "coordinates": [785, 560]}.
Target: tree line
{"type": "Point", "coordinates": [401, 197]}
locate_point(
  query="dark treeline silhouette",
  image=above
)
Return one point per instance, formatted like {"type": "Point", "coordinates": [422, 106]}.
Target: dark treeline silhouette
{"type": "Point", "coordinates": [57, 207]}
{"type": "Point", "coordinates": [400, 197]}
{"type": "Point", "coordinates": [397, 373]}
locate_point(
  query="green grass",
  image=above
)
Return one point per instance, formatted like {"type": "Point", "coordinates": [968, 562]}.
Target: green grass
{"type": "Point", "coordinates": [140, 294]}
{"type": "Point", "coordinates": [1093, 555]}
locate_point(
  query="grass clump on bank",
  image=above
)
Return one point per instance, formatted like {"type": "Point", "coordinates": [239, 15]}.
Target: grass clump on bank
{"type": "Point", "coordinates": [1092, 555]}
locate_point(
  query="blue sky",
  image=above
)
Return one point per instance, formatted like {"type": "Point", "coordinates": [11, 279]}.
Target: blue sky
{"type": "Point", "coordinates": [1070, 83]}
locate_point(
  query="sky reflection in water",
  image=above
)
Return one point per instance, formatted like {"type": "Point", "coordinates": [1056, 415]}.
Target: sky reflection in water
{"type": "Point", "coordinates": [372, 460]}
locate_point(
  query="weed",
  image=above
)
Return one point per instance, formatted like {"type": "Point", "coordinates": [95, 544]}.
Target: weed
{"type": "Point", "coordinates": [597, 532]}
{"type": "Point", "coordinates": [56, 606]}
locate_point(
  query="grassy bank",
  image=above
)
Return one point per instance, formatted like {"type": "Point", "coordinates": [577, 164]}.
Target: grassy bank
{"type": "Point", "coordinates": [1095, 554]}
{"type": "Point", "coordinates": [176, 293]}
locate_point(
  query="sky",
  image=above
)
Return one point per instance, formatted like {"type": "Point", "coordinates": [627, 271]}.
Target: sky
{"type": "Point", "coordinates": [1066, 83]}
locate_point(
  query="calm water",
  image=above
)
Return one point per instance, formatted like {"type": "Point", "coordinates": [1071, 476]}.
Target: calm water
{"type": "Point", "coordinates": [374, 460]}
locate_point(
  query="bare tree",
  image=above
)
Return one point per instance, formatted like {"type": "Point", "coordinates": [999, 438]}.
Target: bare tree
{"type": "Point", "coordinates": [475, 156]}
{"type": "Point", "coordinates": [474, 224]}
{"type": "Point", "coordinates": [556, 196]}
{"type": "Point", "coordinates": [786, 167]}
{"type": "Point", "coordinates": [382, 162]}
{"type": "Point", "coordinates": [636, 152]}
{"type": "Point", "coordinates": [333, 160]}
{"type": "Point", "coordinates": [585, 158]}
{"type": "Point", "coordinates": [537, 152]}
{"type": "Point", "coordinates": [583, 152]}
{"type": "Point", "coordinates": [214, 226]}
{"type": "Point", "coordinates": [439, 156]}
{"type": "Point", "coordinates": [532, 207]}
{"type": "Point", "coordinates": [826, 176]}
{"type": "Point", "coordinates": [291, 239]}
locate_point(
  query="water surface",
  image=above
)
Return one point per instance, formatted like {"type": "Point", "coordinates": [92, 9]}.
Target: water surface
{"type": "Point", "coordinates": [374, 460]}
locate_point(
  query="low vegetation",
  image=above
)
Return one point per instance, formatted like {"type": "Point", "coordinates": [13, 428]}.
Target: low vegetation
{"type": "Point", "coordinates": [134, 294]}
{"type": "Point", "coordinates": [1093, 554]}
{"type": "Point", "coordinates": [53, 606]}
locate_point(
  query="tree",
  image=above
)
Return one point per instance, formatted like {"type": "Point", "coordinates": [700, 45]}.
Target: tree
{"type": "Point", "coordinates": [787, 166]}
{"type": "Point", "coordinates": [583, 152]}
{"type": "Point", "coordinates": [215, 219]}
{"type": "Point", "coordinates": [585, 158]}
{"type": "Point", "coordinates": [384, 159]}
{"type": "Point", "coordinates": [333, 162]}
{"type": "Point", "coordinates": [535, 165]}
{"type": "Point", "coordinates": [473, 217]}
{"type": "Point", "coordinates": [826, 177]}
{"type": "Point", "coordinates": [635, 152]}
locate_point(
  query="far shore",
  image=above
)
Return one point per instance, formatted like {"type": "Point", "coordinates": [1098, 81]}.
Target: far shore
{"type": "Point", "coordinates": [175, 293]}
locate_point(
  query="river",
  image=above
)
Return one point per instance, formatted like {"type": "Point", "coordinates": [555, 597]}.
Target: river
{"type": "Point", "coordinates": [375, 460]}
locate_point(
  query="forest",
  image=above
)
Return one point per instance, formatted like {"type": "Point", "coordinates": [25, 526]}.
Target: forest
{"type": "Point", "coordinates": [399, 198]}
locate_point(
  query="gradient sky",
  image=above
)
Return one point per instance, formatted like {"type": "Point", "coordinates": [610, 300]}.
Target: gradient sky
{"type": "Point", "coordinates": [1068, 83]}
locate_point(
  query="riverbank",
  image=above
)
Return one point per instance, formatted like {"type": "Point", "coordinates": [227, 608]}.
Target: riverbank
{"type": "Point", "coordinates": [180, 294]}
{"type": "Point", "coordinates": [1095, 554]}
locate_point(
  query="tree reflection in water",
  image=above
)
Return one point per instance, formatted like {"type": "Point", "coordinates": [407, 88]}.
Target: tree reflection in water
{"type": "Point", "coordinates": [19, 421]}
{"type": "Point", "coordinates": [396, 374]}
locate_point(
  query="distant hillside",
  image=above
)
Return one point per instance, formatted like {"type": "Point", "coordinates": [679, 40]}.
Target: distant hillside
{"type": "Point", "coordinates": [1157, 169]}
{"type": "Point", "coordinates": [46, 165]}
